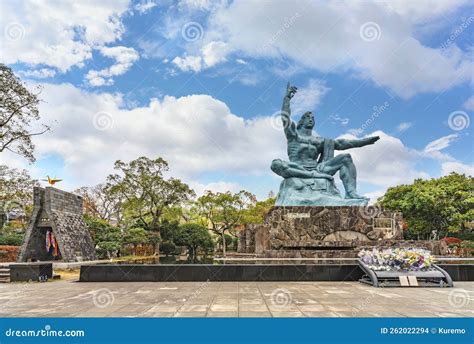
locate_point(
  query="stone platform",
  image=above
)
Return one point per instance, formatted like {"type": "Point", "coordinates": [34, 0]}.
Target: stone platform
{"type": "Point", "coordinates": [63, 298]}
{"type": "Point", "coordinates": [239, 272]}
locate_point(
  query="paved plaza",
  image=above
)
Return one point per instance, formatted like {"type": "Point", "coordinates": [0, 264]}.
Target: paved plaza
{"type": "Point", "coordinates": [66, 298]}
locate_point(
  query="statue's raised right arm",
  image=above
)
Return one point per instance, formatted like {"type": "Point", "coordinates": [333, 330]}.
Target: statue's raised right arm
{"type": "Point", "coordinates": [288, 124]}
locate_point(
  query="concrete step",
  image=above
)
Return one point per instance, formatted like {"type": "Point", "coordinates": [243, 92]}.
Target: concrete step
{"type": "Point", "coordinates": [4, 275]}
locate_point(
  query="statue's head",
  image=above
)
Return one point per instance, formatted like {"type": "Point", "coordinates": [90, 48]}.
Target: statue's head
{"type": "Point", "coordinates": [306, 121]}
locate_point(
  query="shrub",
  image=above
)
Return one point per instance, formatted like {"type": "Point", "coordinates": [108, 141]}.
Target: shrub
{"type": "Point", "coordinates": [11, 238]}
{"type": "Point", "coordinates": [168, 248]}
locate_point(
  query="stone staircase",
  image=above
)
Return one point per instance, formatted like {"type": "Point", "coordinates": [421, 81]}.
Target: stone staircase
{"type": "Point", "coordinates": [4, 274]}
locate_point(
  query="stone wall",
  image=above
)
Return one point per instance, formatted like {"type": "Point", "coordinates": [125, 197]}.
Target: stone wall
{"type": "Point", "coordinates": [61, 212]}
{"type": "Point", "coordinates": [327, 232]}
{"type": "Point", "coordinates": [309, 226]}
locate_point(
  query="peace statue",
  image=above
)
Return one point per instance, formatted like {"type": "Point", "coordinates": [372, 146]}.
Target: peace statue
{"type": "Point", "coordinates": [308, 175]}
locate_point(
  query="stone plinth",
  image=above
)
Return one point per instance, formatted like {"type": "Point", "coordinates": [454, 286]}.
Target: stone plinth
{"type": "Point", "coordinates": [327, 232]}
{"type": "Point", "coordinates": [313, 192]}
{"type": "Point", "coordinates": [308, 227]}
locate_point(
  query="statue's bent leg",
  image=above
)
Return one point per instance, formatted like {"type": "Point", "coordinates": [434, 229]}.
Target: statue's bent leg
{"type": "Point", "coordinates": [287, 169]}
{"type": "Point", "coordinates": [347, 171]}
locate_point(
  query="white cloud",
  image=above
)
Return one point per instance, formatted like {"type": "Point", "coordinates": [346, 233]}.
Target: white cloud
{"type": "Point", "coordinates": [404, 126]}
{"type": "Point", "coordinates": [456, 166]}
{"type": "Point", "coordinates": [308, 97]}
{"type": "Point", "coordinates": [325, 36]}
{"type": "Point", "coordinates": [214, 53]}
{"type": "Point", "coordinates": [374, 195]}
{"type": "Point", "coordinates": [145, 6]}
{"type": "Point", "coordinates": [124, 59]}
{"type": "Point", "coordinates": [220, 186]}
{"type": "Point", "coordinates": [188, 63]}
{"type": "Point", "coordinates": [38, 73]}
{"type": "Point", "coordinates": [195, 134]}
{"type": "Point", "coordinates": [210, 55]}
{"type": "Point", "coordinates": [60, 35]}
{"type": "Point", "coordinates": [422, 10]}
{"type": "Point", "coordinates": [196, 4]}
{"type": "Point", "coordinates": [336, 118]}
{"type": "Point", "coordinates": [440, 144]}
{"type": "Point", "coordinates": [386, 163]}
{"type": "Point", "coordinates": [469, 104]}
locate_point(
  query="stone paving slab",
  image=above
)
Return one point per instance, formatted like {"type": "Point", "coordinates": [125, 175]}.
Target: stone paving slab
{"type": "Point", "coordinates": [232, 299]}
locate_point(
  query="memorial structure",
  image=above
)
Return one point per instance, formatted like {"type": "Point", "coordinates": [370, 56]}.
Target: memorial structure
{"type": "Point", "coordinates": [311, 218]}
{"type": "Point", "coordinates": [56, 230]}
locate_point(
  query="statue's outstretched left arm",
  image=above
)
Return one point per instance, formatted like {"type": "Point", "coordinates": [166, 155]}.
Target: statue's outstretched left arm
{"type": "Point", "coordinates": [341, 144]}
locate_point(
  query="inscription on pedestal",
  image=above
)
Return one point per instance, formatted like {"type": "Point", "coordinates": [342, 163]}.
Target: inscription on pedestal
{"type": "Point", "coordinates": [298, 215]}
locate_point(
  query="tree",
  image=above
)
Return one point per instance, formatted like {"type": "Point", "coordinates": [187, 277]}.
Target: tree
{"type": "Point", "coordinates": [107, 238]}
{"type": "Point", "coordinates": [168, 247]}
{"type": "Point", "coordinates": [135, 236]}
{"type": "Point", "coordinates": [16, 194]}
{"type": "Point", "coordinates": [194, 236]}
{"type": "Point", "coordinates": [445, 204]}
{"type": "Point", "coordinates": [18, 109]}
{"type": "Point", "coordinates": [223, 211]}
{"type": "Point", "coordinates": [168, 230]}
{"type": "Point", "coordinates": [230, 242]}
{"type": "Point", "coordinates": [145, 193]}
{"type": "Point", "coordinates": [101, 203]}
{"type": "Point", "coordinates": [257, 212]}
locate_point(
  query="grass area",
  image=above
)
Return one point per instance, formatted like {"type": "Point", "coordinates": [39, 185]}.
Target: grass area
{"type": "Point", "coordinates": [132, 258]}
{"type": "Point", "coordinates": [68, 274]}
{"type": "Point", "coordinates": [73, 274]}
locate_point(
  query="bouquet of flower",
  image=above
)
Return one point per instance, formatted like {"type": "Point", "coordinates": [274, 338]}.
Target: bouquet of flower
{"type": "Point", "coordinates": [396, 259]}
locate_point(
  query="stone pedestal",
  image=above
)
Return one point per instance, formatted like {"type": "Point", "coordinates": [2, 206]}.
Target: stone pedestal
{"type": "Point", "coordinates": [326, 232]}
{"type": "Point", "coordinates": [306, 227]}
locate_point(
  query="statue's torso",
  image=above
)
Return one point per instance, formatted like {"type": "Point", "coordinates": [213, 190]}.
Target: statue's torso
{"type": "Point", "coordinates": [305, 150]}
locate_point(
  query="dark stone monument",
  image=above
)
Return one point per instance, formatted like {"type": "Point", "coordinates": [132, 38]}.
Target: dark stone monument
{"type": "Point", "coordinates": [59, 212]}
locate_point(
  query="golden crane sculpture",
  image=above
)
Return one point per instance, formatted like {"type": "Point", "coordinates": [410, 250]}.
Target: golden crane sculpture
{"type": "Point", "coordinates": [51, 181]}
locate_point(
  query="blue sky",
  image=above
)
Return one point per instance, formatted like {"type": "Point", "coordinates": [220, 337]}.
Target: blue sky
{"type": "Point", "coordinates": [199, 83]}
